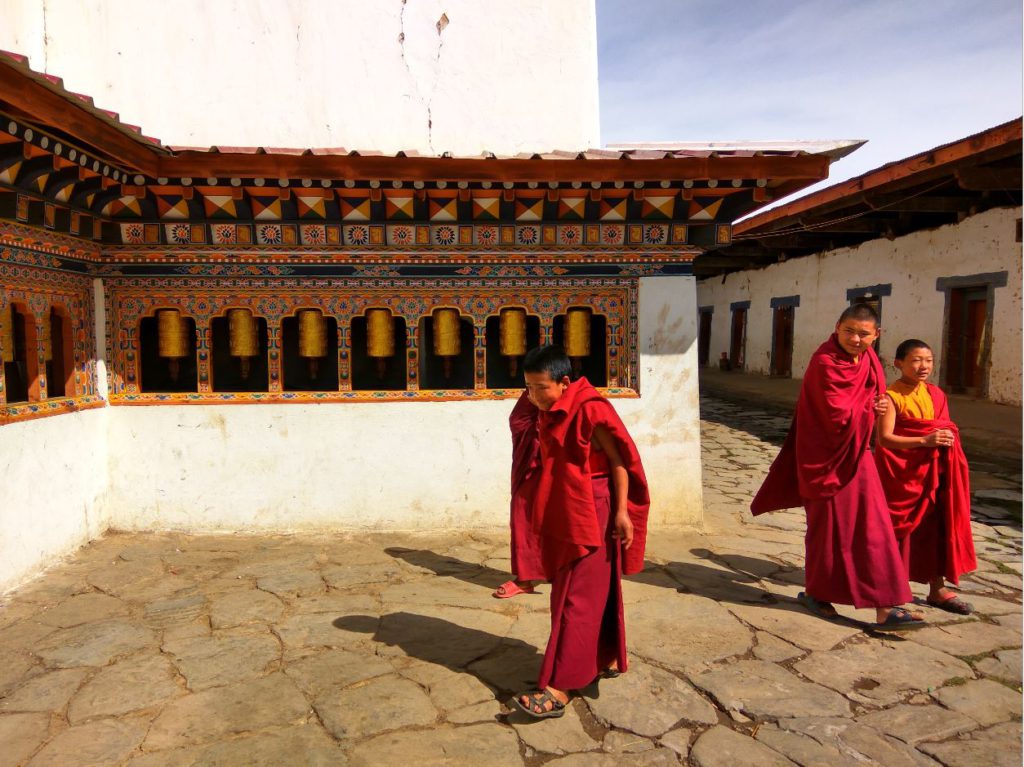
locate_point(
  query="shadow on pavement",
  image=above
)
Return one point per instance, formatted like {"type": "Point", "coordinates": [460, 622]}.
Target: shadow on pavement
{"type": "Point", "coordinates": [740, 583]}
{"type": "Point", "coordinates": [503, 664]}
{"type": "Point", "coordinates": [768, 427]}
{"type": "Point", "coordinates": [439, 564]}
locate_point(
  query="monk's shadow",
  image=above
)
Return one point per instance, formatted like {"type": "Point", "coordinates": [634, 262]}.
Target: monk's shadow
{"type": "Point", "coordinates": [505, 665]}
{"type": "Point", "coordinates": [450, 567]}
{"type": "Point", "coordinates": [733, 581]}
{"type": "Point", "coordinates": [734, 578]}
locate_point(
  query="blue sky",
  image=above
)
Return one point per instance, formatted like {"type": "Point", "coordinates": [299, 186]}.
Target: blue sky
{"type": "Point", "coordinates": [907, 75]}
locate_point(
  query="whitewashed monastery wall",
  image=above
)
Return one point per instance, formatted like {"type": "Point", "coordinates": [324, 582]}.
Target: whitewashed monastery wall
{"type": "Point", "coordinates": [980, 244]}
{"type": "Point", "coordinates": [402, 465]}
{"type": "Point", "coordinates": [460, 76]}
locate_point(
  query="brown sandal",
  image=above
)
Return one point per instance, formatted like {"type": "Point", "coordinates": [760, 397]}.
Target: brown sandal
{"type": "Point", "coordinates": [952, 604]}
{"type": "Point", "coordinates": [537, 701]}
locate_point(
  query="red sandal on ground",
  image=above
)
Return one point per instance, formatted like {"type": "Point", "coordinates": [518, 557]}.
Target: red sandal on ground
{"type": "Point", "coordinates": [951, 603]}
{"type": "Point", "coordinates": [510, 589]}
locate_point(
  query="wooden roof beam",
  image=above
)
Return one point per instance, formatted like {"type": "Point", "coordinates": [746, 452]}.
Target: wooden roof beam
{"type": "Point", "coordinates": [982, 179]}
{"type": "Point", "coordinates": [800, 171]}
{"type": "Point", "coordinates": [862, 224]}
{"type": "Point", "coordinates": [732, 262]}
{"type": "Point", "coordinates": [921, 204]}
{"type": "Point", "coordinates": [48, 108]}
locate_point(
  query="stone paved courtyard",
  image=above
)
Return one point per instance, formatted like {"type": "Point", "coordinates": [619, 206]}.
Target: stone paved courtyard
{"type": "Point", "coordinates": [169, 649]}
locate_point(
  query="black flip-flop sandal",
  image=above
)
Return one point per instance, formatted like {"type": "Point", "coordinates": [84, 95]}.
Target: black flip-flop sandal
{"type": "Point", "coordinates": [820, 609]}
{"type": "Point", "coordinates": [899, 619]}
{"type": "Point", "coordinates": [538, 699]}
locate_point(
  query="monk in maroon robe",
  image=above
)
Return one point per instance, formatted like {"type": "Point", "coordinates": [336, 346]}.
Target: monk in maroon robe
{"type": "Point", "coordinates": [825, 465]}
{"type": "Point", "coordinates": [526, 562]}
{"type": "Point", "coordinates": [591, 511]}
{"type": "Point", "coordinates": [926, 480]}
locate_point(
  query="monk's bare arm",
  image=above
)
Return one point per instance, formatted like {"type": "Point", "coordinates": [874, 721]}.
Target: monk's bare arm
{"type": "Point", "coordinates": [885, 437]}
{"type": "Point", "coordinates": [620, 484]}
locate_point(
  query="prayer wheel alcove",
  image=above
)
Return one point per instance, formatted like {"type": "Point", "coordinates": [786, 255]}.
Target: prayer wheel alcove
{"type": "Point", "coordinates": [60, 364]}
{"type": "Point", "coordinates": [239, 352]}
{"type": "Point", "coordinates": [15, 352]}
{"type": "Point", "coordinates": [446, 350]}
{"type": "Point", "coordinates": [379, 359]}
{"type": "Point", "coordinates": [583, 335]}
{"type": "Point", "coordinates": [509, 335]}
{"type": "Point", "coordinates": [309, 341]}
{"type": "Point", "coordinates": [167, 352]}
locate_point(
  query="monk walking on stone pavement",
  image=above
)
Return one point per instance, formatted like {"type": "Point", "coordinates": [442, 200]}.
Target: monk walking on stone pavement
{"type": "Point", "coordinates": [926, 479]}
{"type": "Point", "coordinates": [590, 510]}
{"type": "Point", "coordinates": [825, 465]}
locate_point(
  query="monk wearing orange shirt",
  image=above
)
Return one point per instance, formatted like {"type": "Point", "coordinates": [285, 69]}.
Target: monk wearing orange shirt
{"type": "Point", "coordinates": [826, 466]}
{"type": "Point", "coordinates": [590, 510]}
{"type": "Point", "coordinates": [926, 480]}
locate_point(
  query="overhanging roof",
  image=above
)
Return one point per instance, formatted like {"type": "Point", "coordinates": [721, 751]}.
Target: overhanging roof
{"type": "Point", "coordinates": [940, 186]}
{"type": "Point", "coordinates": [62, 151]}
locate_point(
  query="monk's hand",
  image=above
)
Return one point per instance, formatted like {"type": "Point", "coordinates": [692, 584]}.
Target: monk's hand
{"type": "Point", "coordinates": [624, 529]}
{"type": "Point", "coordinates": [939, 438]}
{"type": "Point", "coordinates": [881, 405]}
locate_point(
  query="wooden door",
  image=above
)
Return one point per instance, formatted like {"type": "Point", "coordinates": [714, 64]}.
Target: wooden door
{"type": "Point", "coordinates": [704, 339]}
{"type": "Point", "coordinates": [966, 342]}
{"type": "Point", "coordinates": [782, 342]}
{"type": "Point", "coordinates": [738, 339]}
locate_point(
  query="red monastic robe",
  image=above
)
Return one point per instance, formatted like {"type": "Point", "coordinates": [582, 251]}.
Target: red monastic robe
{"type": "Point", "coordinates": [584, 562]}
{"type": "Point", "coordinates": [929, 495]}
{"type": "Point", "coordinates": [825, 466]}
{"type": "Point", "coordinates": [526, 560]}
{"type": "Point", "coordinates": [564, 508]}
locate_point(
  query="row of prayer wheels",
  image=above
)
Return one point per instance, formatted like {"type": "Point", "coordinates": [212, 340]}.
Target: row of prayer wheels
{"type": "Point", "coordinates": [7, 340]}
{"type": "Point", "coordinates": [243, 337]}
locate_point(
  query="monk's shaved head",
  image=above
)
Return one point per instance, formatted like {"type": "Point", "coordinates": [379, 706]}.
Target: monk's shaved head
{"type": "Point", "coordinates": [860, 313]}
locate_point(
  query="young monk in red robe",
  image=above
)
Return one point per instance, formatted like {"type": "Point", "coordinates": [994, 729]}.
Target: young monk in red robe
{"type": "Point", "coordinates": [925, 476]}
{"type": "Point", "coordinates": [591, 512]}
{"type": "Point", "coordinates": [526, 564]}
{"type": "Point", "coordinates": [825, 466]}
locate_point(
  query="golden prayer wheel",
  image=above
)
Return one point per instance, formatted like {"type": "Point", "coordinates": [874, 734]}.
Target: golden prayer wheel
{"type": "Point", "coordinates": [577, 337]}
{"type": "Point", "coordinates": [243, 338]}
{"type": "Point", "coordinates": [380, 337]}
{"type": "Point", "coordinates": [47, 333]}
{"type": "Point", "coordinates": [172, 339]}
{"type": "Point", "coordinates": [312, 338]}
{"type": "Point", "coordinates": [7, 339]}
{"type": "Point", "coordinates": [447, 340]}
{"type": "Point", "coordinates": [512, 336]}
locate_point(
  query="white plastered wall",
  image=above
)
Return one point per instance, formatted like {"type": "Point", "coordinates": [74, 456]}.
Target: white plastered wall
{"type": "Point", "coordinates": [54, 474]}
{"type": "Point", "coordinates": [429, 465]}
{"type": "Point", "coordinates": [981, 244]}
{"type": "Point", "coordinates": [462, 76]}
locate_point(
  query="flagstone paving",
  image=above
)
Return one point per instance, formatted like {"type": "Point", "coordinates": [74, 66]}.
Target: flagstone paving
{"type": "Point", "coordinates": [168, 649]}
